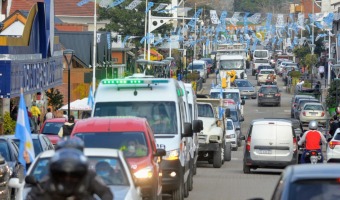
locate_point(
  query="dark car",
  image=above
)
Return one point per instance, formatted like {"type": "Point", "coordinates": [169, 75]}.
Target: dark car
{"type": "Point", "coordinates": [269, 94]}
{"type": "Point", "coordinates": [308, 182]}
{"type": "Point", "coordinates": [247, 90]}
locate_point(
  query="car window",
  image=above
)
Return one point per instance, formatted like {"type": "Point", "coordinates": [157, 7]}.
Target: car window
{"type": "Point", "coordinates": [52, 128]}
{"type": "Point", "coordinates": [313, 107]}
{"type": "Point", "coordinates": [337, 136]}
{"type": "Point", "coordinates": [48, 143]}
{"type": "Point", "coordinates": [265, 72]}
{"type": "Point", "coordinates": [133, 144]}
{"type": "Point", "coordinates": [269, 90]}
{"type": "Point", "coordinates": [205, 110]}
{"type": "Point", "coordinates": [233, 115]}
{"type": "Point", "coordinates": [36, 145]}
{"type": "Point", "coordinates": [4, 150]}
{"type": "Point", "coordinates": [243, 84]}
{"type": "Point", "coordinates": [229, 125]}
{"type": "Point", "coordinates": [311, 189]}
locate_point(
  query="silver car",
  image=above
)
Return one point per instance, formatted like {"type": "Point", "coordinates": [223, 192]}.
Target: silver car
{"type": "Point", "coordinates": [313, 111]}
{"type": "Point", "coordinates": [247, 90]}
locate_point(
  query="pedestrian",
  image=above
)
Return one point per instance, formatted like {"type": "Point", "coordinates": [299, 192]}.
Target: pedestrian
{"type": "Point", "coordinates": [334, 124]}
{"type": "Point", "coordinates": [299, 85]}
{"type": "Point", "coordinates": [35, 116]}
{"type": "Point", "coordinates": [49, 114]}
{"type": "Point", "coordinates": [321, 70]}
{"type": "Point", "coordinates": [66, 129]}
{"type": "Point", "coordinates": [65, 115]}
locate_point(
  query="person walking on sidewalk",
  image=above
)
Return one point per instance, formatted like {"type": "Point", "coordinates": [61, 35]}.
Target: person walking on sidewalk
{"type": "Point", "coordinates": [35, 116]}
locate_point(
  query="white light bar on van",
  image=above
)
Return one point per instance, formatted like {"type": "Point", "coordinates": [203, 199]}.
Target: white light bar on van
{"type": "Point", "coordinates": [132, 81]}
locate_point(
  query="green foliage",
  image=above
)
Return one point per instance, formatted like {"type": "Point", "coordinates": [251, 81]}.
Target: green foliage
{"type": "Point", "coordinates": [9, 124]}
{"type": "Point", "coordinates": [130, 22]}
{"type": "Point", "coordinates": [295, 74]}
{"type": "Point", "coordinates": [55, 98]}
{"type": "Point", "coordinates": [331, 96]}
{"type": "Point", "coordinates": [192, 76]}
{"type": "Point", "coordinates": [311, 60]}
{"type": "Point", "coordinates": [264, 6]}
{"type": "Point", "coordinates": [300, 52]}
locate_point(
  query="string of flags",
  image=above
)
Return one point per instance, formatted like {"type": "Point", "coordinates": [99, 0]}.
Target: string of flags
{"type": "Point", "coordinates": [238, 28]}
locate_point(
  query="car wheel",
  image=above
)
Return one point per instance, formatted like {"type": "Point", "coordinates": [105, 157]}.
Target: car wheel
{"type": "Point", "coordinates": [217, 160]}
{"type": "Point", "coordinates": [191, 180]}
{"type": "Point", "coordinates": [178, 194]}
{"type": "Point", "coordinates": [186, 187]}
{"type": "Point", "coordinates": [227, 152]}
{"type": "Point", "coordinates": [246, 168]}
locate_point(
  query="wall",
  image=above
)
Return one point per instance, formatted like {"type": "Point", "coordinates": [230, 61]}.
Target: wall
{"type": "Point", "coordinates": [119, 55]}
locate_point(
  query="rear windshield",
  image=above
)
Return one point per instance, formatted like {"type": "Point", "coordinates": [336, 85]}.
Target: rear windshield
{"type": "Point", "coordinates": [133, 144]}
{"type": "Point", "coordinates": [205, 110]}
{"type": "Point", "coordinates": [243, 84]}
{"type": "Point", "coordinates": [266, 90]}
{"type": "Point", "coordinates": [313, 107]}
{"type": "Point", "coordinates": [229, 125]}
{"type": "Point", "coordinates": [52, 128]}
{"type": "Point", "coordinates": [315, 189]}
{"type": "Point", "coordinates": [261, 61]}
{"type": "Point", "coordinates": [265, 72]}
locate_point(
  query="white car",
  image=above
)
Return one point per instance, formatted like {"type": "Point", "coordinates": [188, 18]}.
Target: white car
{"type": "Point", "coordinates": [231, 135]}
{"type": "Point", "coordinates": [333, 148]}
{"type": "Point", "coordinates": [125, 190]}
{"type": "Point", "coordinates": [263, 75]}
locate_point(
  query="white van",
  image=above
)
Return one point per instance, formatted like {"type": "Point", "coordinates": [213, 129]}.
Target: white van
{"type": "Point", "coordinates": [155, 99]}
{"type": "Point", "coordinates": [270, 143]}
{"type": "Point", "coordinates": [228, 93]}
{"type": "Point", "coordinates": [193, 114]}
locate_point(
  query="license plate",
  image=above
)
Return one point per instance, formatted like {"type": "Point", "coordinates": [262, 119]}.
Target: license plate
{"type": "Point", "coordinates": [269, 95]}
{"type": "Point", "coordinates": [313, 114]}
{"type": "Point", "coordinates": [265, 151]}
{"type": "Point", "coordinates": [201, 141]}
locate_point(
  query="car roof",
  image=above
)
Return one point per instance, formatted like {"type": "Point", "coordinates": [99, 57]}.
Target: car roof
{"type": "Point", "coordinates": [268, 120]}
{"type": "Point", "coordinates": [33, 135]}
{"type": "Point", "coordinates": [88, 152]}
{"type": "Point", "coordinates": [319, 171]}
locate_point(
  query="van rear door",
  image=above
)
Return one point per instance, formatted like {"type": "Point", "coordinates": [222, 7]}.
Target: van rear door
{"type": "Point", "coordinates": [263, 139]}
{"type": "Point", "coordinates": [284, 142]}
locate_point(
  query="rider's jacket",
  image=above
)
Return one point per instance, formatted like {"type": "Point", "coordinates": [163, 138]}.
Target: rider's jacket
{"type": "Point", "coordinates": [312, 139]}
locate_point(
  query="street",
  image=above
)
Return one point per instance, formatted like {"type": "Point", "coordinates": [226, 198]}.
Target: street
{"type": "Point", "coordinates": [229, 182]}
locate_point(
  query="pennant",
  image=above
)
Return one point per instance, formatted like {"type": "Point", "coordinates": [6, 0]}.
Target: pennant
{"type": "Point", "coordinates": [150, 5]}
{"type": "Point", "coordinates": [329, 20]}
{"type": "Point", "coordinates": [90, 98]}
{"type": "Point", "coordinates": [98, 37]}
{"type": "Point", "coordinates": [193, 20]}
{"type": "Point", "coordinates": [133, 4]}
{"type": "Point", "coordinates": [245, 22]}
{"type": "Point", "coordinates": [160, 7]}
{"type": "Point", "coordinates": [83, 2]}
{"type": "Point", "coordinates": [104, 3]}
{"type": "Point", "coordinates": [269, 20]}
{"type": "Point", "coordinates": [214, 17]}
{"type": "Point", "coordinates": [300, 21]}
{"type": "Point", "coordinates": [108, 40]}
{"type": "Point", "coordinates": [234, 19]}
{"type": "Point", "coordinates": [319, 25]}
{"type": "Point", "coordinates": [116, 3]}
{"type": "Point", "coordinates": [255, 18]}
{"type": "Point", "coordinates": [280, 21]}
{"type": "Point", "coordinates": [124, 41]}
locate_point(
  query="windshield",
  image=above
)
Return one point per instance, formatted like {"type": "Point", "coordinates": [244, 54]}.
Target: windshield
{"type": "Point", "coordinates": [315, 189]}
{"type": "Point", "coordinates": [261, 54]}
{"type": "Point", "coordinates": [226, 95]}
{"type": "Point", "coordinates": [117, 140]}
{"type": "Point", "coordinates": [115, 176]}
{"type": "Point", "coordinates": [313, 107]}
{"type": "Point", "coordinates": [36, 145]}
{"type": "Point", "coordinates": [205, 110]}
{"type": "Point", "coordinates": [4, 150]}
{"type": "Point", "coordinates": [265, 71]}
{"type": "Point", "coordinates": [243, 84]}
{"type": "Point", "coordinates": [231, 64]}
{"type": "Point", "coordinates": [52, 128]}
{"type": "Point", "coordinates": [160, 115]}
{"type": "Point", "coordinates": [233, 115]}
{"type": "Point", "coordinates": [196, 67]}
{"type": "Point", "coordinates": [229, 125]}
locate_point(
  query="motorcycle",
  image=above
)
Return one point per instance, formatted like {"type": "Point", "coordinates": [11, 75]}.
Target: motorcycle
{"type": "Point", "coordinates": [313, 157]}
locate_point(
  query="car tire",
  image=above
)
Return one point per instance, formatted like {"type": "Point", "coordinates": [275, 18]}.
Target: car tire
{"type": "Point", "coordinates": [178, 194]}
{"type": "Point", "coordinates": [217, 160]}
{"type": "Point", "coordinates": [191, 180]}
{"type": "Point", "coordinates": [246, 168]}
{"type": "Point", "coordinates": [186, 188]}
{"type": "Point", "coordinates": [227, 151]}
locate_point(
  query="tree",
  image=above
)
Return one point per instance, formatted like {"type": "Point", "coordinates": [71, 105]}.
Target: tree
{"type": "Point", "coordinates": [262, 6]}
{"type": "Point", "coordinates": [300, 52]}
{"type": "Point", "coordinates": [310, 60]}
{"type": "Point", "coordinates": [130, 22]}
{"type": "Point", "coordinates": [55, 98]}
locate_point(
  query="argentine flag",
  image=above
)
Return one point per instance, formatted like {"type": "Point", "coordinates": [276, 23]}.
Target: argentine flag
{"type": "Point", "coordinates": [90, 99]}
{"type": "Point", "coordinates": [23, 133]}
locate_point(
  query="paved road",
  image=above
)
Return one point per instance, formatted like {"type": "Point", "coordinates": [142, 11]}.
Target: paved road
{"type": "Point", "coordinates": [229, 182]}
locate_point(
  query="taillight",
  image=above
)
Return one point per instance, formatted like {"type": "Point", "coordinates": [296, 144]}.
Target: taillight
{"type": "Point", "coordinates": [278, 94]}
{"type": "Point", "coordinates": [294, 144]}
{"type": "Point", "coordinates": [313, 153]}
{"type": "Point", "coordinates": [260, 95]}
{"type": "Point", "coordinates": [322, 114]}
{"type": "Point", "coordinates": [294, 105]}
{"type": "Point", "coordinates": [332, 144]}
{"type": "Point", "coordinates": [248, 143]}
{"type": "Point", "coordinates": [304, 113]}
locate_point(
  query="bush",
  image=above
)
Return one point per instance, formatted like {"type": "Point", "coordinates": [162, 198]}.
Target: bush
{"type": "Point", "coordinates": [331, 96]}
{"type": "Point", "coordinates": [9, 124]}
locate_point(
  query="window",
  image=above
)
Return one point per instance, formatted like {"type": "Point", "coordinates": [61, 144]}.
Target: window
{"type": "Point", "coordinates": [231, 64]}
{"type": "Point", "coordinates": [52, 128]}
{"type": "Point", "coordinates": [313, 107]}
{"type": "Point", "coordinates": [205, 110]}
{"type": "Point", "coordinates": [196, 67]}
{"type": "Point", "coordinates": [4, 150]}
{"type": "Point", "coordinates": [229, 125]}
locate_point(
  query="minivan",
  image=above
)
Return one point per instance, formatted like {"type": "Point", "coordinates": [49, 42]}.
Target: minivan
{"type": "Point", "coordinates": [270, 143]}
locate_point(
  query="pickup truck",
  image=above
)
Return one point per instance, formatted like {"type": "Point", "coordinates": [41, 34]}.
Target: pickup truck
{"type": "Point", "coordinates": [212, 145]}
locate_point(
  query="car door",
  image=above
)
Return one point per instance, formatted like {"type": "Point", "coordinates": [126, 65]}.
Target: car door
{"type": "Point", "coordinates": [284, 142]}
{"type": "Point", "coordinates": [263, 139]}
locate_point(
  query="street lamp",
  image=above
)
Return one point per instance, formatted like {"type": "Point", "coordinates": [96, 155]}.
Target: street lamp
{"type": "Point", "coordinates": [68, 55]}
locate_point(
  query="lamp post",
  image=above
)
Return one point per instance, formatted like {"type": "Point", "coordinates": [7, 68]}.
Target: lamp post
{"type": "Point", "coordinates": [68, 55]}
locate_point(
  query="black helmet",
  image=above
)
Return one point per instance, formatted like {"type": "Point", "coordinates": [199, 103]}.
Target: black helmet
{"type": "Point", "coordinates": [75, 143]}
{"type": "Point", "coordinates": [67, 169]}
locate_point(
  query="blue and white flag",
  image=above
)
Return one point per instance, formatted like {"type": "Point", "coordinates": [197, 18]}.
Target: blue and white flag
{"type": "Point", "coordinates": [23, 133]}
{"type": "Point", "coordinates": [90, 98]}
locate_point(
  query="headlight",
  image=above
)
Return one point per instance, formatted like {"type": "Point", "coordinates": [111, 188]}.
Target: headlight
{"type": "Point", "coordinates": [146, 172]}
{"type": "Point", "coordinates": [230, 136]}
{"type": "Point", "coordinates": [214, 138]}
{"type": "Point", "coordinates": [171, 155]}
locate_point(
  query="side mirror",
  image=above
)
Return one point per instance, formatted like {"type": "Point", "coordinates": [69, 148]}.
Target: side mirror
{"type": "Point", "coordinates": [227, 112]}
{"type": "Point", "coordinates": [243, 137]}
{"type": "Point", "coordinates": [187, 130]}
{"type": "Point", "coordinates": [14, 183]}
{"type": "Point", "coordinates": [243, 102]}
{"type": "Point", "coordinates": [31, 180]}
{"type": "Point", "coordinates": [160, 152]}
{"type": "Point", "coordinates": [197, 125]}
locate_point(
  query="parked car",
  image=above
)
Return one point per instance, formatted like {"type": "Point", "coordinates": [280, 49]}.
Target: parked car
{"type": "Point", "coordinates": [294, 101]}
{"type": "Point", "coordinates": [300, 104]}
{"type": "Point", "coordinates": [333, 148]}
{"type": "Point", "coordinates": [263, 76]}
{"type": "Point", "coordinates": [40, 142]}
{"type": "Point", "coordinates": [230, 135]}
{"type": "Point", "coordinates": [247, 90]}
{"type": "Point", "coordinates": [281, 66]}
{"type": "Point", "coordinates": [120, 133]}
{"type": "Point", "coordinates": [270, 143]}
{"type": "Point", "coordinates": [51, 128]}
{"type": "Point", "coordinates": [319, 181]}
{"type": "Point", "coordinates": [269, 94]}
{"type": "Point", "coordinates": [260, 67]}
{"type": "Point", "coordinates": [313, 111]}
{"type": "Point", "coordinates": [121, 182]}
{"type": "Point", "coordinates": [199, 66]}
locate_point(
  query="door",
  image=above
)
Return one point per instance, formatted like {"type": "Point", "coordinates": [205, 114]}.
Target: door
{"type": "Point", "coordinates": [263, 139]}
{"type": "Point", "coordinates": [284, 143]}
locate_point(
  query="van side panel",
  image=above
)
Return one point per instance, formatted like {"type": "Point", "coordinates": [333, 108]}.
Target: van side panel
{"type": "Point", "coordinates": [284, 143]}
{"type": "Point", "coordinates": [263, 139]}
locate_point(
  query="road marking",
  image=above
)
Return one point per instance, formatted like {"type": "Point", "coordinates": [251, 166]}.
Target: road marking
{"type": "Point", "coordinates": [235, 159]}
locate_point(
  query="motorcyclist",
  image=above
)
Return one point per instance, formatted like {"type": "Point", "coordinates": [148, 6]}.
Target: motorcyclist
{"type": "Point", "coordinates": [312, 140]}
{"type": "Point", "coordinates": [70, 178]}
